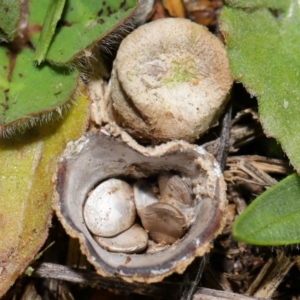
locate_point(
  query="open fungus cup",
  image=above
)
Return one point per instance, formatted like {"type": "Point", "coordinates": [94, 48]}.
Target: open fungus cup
{"type": "Point", "coordinates": [95, 158]}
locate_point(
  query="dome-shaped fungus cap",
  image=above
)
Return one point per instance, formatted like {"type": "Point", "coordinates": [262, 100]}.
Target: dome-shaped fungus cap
{"type": "Point", "coordinates": [170, 80]}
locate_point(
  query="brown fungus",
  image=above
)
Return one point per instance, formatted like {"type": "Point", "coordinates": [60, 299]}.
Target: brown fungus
{"type": "Point", "coordinates": [97, 157]}
{"type": "Point", "coordinates": [170, 80]}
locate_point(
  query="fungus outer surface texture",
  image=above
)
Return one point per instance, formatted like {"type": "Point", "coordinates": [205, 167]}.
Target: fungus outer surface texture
{"type": "Point", "coordinates": [170, 80]}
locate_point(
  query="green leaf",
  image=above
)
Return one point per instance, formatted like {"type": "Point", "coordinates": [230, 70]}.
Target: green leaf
{"type": "Point", "coordinates": [28, 162]}
{"type": "Point", "coordinates": [26, 90]}
{"type": "Point", "coordinates": [4, 69]}
{"type": "Point", "coordinates": [82, 24]}
{"type": "Point", "coordinates": [53, 15]}
{"type": "Point", "coordinates": [10, 12]}
{"type": "Point", "coordinates": [274, 4]}
{"type": "Point", "coordinates": [263, 43]}
{"type": "Point", "coordinates": [273, 218]}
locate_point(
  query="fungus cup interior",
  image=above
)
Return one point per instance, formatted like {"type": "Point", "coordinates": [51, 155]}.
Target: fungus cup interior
{"type": "Point", "coordinates": [97, 157]}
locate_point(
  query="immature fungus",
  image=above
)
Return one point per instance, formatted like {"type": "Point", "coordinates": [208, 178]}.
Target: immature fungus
{"type": "Point", "coordinates": [170, 80]}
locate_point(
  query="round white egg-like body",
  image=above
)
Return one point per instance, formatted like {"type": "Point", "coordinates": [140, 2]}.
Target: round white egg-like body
{"type": "Point", "coordinates": [132, 240]}
{"type": "Point", "coordinates": [110, 208]}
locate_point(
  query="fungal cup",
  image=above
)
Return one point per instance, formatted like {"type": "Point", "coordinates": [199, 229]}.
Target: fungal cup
{"type": "Point", "coordinates": [170, 81]}
{"type": "Point", "coordinates": [104, 158]}
{"type": "Point", "coordinates": [155, 95]}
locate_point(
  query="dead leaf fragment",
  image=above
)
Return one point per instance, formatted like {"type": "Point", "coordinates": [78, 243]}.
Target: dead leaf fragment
{"type": "Point", "coordinates": [175, 8]}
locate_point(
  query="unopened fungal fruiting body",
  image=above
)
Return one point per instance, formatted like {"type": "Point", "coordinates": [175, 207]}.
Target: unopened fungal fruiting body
{"type": "Point", "coordinates": [170, 80]}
